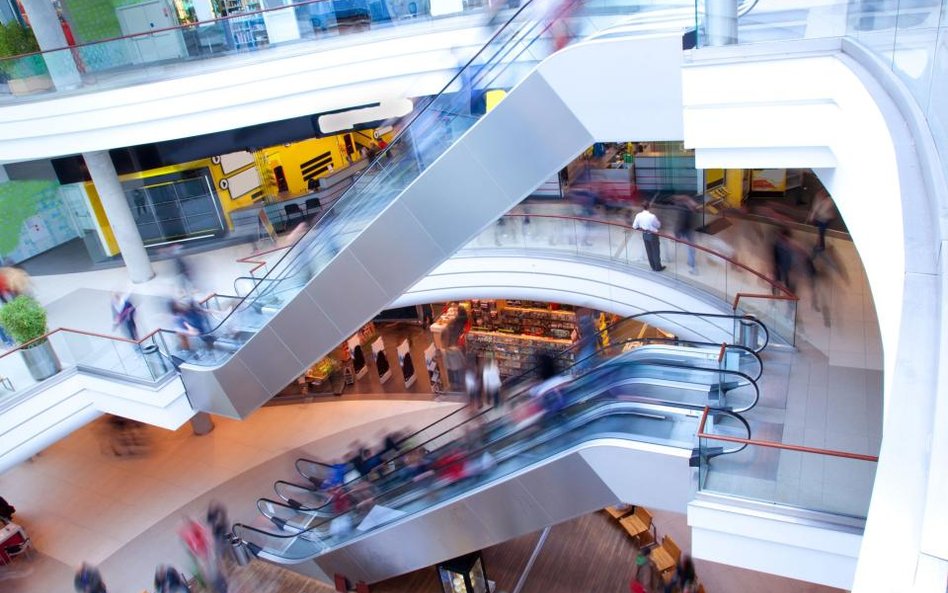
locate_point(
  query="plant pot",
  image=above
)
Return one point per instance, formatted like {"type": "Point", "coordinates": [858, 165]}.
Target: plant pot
{"type": "Point", "coordinates": [40, 359]}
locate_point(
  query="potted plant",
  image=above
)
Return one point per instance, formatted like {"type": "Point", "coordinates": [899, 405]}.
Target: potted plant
{"type": "Point", "coordinates": [25, 320]}
{"type": "Point", "coordinates": [23, 68]}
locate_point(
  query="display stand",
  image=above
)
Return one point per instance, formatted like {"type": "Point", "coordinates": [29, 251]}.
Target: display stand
{"type": "Point", "coordinates": [381, 360]}
{"type": "Point", "coordinates": [406, 364]}
{"type": "Point", "coordinates": [434, 372]}
{"type": "Point", "coordinates": [358, 356]}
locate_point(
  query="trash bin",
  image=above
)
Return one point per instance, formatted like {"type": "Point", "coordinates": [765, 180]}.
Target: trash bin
{"type": "Point", "coordinates": [241, 553]}
{"type": "Point", "coordinates": [155, 361]}
{"type": "Point", "coordinates": [749, 331]}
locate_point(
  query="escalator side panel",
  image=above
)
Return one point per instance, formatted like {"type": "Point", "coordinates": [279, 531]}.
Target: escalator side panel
{"type": "Point", "coordinates": [639, 476]}
{"type": "Point", "coordinates": [562, 487]}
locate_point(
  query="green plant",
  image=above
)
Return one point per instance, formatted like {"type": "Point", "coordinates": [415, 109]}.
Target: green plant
{"type": "Point", "coordinates": [23, 318]}
{"type": "Point", "coordinates": [16, 40]}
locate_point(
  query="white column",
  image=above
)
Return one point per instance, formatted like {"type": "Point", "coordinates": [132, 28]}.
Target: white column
{"type": "Point", "coordinates": [49, 34]}
{"type": "Point", "coordinates": [3, 174]}
{"type": "Point", "coordinates": [119, 213]}
{"type": "Point", "coordinates": [720, 22]}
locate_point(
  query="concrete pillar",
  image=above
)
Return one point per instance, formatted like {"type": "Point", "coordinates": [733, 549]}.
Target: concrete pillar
{"type": "Point", "coordinates": [49, 33]}
{"type": "Point", "coordinates": [119, 213]}
{"type": "Point", "coordinates": [3, 174]}
{"type": "Point", "coordinates": [720, 22]}
{"type": "Point", "coordinates": [201, 423]}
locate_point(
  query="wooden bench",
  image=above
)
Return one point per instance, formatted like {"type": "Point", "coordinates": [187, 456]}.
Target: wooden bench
{"type": "Point", "coordinates": [619, 511]}
{"type": "Point", "coordinates": [665, 558]}
{"type": "Point", "coordinates": [637, 524]}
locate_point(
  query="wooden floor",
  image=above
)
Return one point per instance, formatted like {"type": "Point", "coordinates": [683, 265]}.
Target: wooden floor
{"type": "Point", "coordinates": [590, 553]}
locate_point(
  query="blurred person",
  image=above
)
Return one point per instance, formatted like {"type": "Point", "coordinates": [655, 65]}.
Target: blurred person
{"type": "Point", "coordinates": [588, 336]}
{"type": "Point", "coordinates": [127, 437]}
{"type": "Point", "coordinates": [490, 379]}
{"type": "Point", "coordinates": [645, 573]}
{"type": "Point", "coordinates": [191, 320]}
{"type": "Point", "coordinates": [219, 525]}
{"type": "Point", "coordinates": [649, 224]}
{"type": "Point", "coordinates": [686, 208]}
{"type": "Point", "coordinates": [15, 282]}
{"type": "Point", "coordinates": [169, 580]}
{"type": "Point", "coordinates": [454, 362]}
{"type": "Point", "coordinates": [783, 252]}
{"type": "Point", "coordinates": [88, 579]}
{"type": "Point", "coordinates": [207, 564]}
{"type": "Point", "coordinates": [123, 315]}
{"type": "Point", "coordinates": [822, 213]}
{"type": "Point", "coordinates": [585, 199]}
{"type": "Point", "coordinates": [472, 386]}
{"type": "Point", "coordinates": [184, 273]}
{"type": "Point", "coordinates": [290, 239]}
{"type": "Point", "coordinates": [6, 510]}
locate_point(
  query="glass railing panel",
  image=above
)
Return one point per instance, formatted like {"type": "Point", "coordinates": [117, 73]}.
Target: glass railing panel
{"type": "Point", "coordinates": [23, 368]}
{"type": "Point", "coordinates": [829, 483]}
{"type": "Point", "coordinates": [146, 56]}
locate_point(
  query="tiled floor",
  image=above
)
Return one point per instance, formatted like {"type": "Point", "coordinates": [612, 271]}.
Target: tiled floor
{"type": "Point", "coordinates": [81, 503]}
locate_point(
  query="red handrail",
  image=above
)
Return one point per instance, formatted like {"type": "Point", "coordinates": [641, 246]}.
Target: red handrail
{"type": "Point", "coordinates": [775, 445]}
{"type": "Point", "coordinates": [81, 332]}
{"type": "Point", "coordinates": [777, 297]}
{"type": "Point", "coordinates": [775, 285]}
{"type": "Point", "coordinates": [721, 352]}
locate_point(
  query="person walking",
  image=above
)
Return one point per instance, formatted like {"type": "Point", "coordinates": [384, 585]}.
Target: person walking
{"type": "Point", "coordinates": [686, 208]}
{"type": "Point", "coordinates": [645, 573]}
{"type": "Point", "coordinates": [123, 314]}
{"type": "Point", "coordinates": [491, 381]}
{"type": "Point", "coordinates": [822, 213]}
{"type": "Point", "coordinates": [88, 580]}
{"type": "Point", "coordinates": [649, 224]}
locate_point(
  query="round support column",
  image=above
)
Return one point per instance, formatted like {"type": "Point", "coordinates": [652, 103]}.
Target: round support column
{"type": "Point", "coordinates": [119, 214]}
{"type": "Point", "coordinates": [720, 22]}
{"type": "Point", "coordinates": [49, 34]}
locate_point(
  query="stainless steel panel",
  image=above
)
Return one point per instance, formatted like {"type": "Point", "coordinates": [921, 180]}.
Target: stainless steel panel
{"type": "Point", "coordinates": [529, 135]}
{"type": "Point", "coordinates": [305, 328]}
{"type": "Point", "coordinates": [205, 393]}
{"type": "Point", "coordinates": [346, 291]}
{"type": "Point", "coordinates": [569, 484]}
{"type": "Point", "coordinates": [441, 197]}
{"type": "Point", "coordinates": [551, 491]}
{"type": "Point", "coordinates": [240, 387]}
{"type": "Point", "coordinates": [278, 361]}
{"type": "Point", "coordinates": [408, 254]}
{"type": "Point", "coordinates": [511, 508]}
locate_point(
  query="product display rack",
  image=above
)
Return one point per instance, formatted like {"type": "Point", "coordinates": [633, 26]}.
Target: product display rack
{"type": "Point", "coordinates": [524, 317]}
{"type": "Point", "coordinates": [515, 353]}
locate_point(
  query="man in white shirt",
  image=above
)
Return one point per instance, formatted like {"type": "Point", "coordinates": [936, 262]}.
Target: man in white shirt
{"type": "Point", "coordinates": [649, 224]}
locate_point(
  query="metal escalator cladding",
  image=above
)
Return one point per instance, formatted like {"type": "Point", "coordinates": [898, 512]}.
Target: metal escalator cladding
{"type": "Point", "coordinates": [511, 452]}
{"type": "Point", "coordinates": [672, 350]}
{"type": "Point", "coordinates": [432, 129]}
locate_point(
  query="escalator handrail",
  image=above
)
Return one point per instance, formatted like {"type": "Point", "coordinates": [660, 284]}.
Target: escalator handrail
{"type": "Point", "coordinates": [383, 154]}
{"type": "Point", "coordinates": [610, 403]}
{"type": "Point", "coordinates": [520, 395]}
{"type": "Point", "coordinates": [477, 418]}
{"type": "Point", "coordinates": [577, 347]}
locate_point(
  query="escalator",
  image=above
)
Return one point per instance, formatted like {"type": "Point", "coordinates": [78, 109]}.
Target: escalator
{"type": "Point", "coordinates": [450, 172]}
{"type": "Point", "coordinates": [537, 474]}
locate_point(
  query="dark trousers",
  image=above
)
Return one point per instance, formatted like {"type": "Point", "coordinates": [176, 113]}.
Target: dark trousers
{"type": "Point", "coordinates": [652, 250]}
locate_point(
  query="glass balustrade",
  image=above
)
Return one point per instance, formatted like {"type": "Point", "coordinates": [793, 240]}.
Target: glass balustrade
{"type": "Point", "coordinates": [834, 482]}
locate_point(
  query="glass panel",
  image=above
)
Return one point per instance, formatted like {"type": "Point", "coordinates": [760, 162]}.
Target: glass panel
{"type": "Point", "coordinates": [812, 481]}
